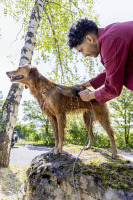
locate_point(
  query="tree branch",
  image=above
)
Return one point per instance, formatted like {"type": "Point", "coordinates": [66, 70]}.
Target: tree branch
{"type": "Point", "coordinates": [56, 41]}
{"type": "Point", "coordinates": [60, 6]}
{"type": "Point", "coordinates": [77, 7]}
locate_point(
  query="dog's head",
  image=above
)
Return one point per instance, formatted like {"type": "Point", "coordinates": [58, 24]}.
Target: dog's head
{"type": "Point", "coordinates": [23, 74]}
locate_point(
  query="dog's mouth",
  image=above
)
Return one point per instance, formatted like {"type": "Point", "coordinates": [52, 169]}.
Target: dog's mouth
{"type": "Point", "coordinates": [15, 78]}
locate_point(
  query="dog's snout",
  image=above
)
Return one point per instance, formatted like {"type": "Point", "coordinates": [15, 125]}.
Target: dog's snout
{"type": "Point", "coordinates": [7, 73]}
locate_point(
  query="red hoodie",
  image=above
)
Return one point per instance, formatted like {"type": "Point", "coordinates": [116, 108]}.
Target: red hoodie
{"type": "Point", "coordinates": [115, 45]}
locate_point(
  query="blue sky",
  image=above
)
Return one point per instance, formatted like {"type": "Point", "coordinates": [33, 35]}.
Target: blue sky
{"type": "Point", "coordinates": [109, 11]}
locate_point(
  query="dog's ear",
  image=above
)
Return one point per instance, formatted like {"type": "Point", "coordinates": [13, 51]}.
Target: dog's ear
{"type": "Point", "coordinates": [33, 72]}
{"type": "Point", "coordinates": [26, 87]}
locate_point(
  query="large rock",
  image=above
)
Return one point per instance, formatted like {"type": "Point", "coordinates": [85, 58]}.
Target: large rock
{"type": "Point", "coordinates": [97, 176]}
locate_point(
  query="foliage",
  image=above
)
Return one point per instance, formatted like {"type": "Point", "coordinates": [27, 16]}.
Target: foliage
{"type": "Point", "coordinates": [51, 41]}
{"type": "Point", "coordinates": [123, 117]}
{"type": "Point", "coordinates": [75, 130]}
{"type": "Point", "coordinates": [33, 113]}
{"type": "Point", "coordinates": [38, 125]}
{"type": "Point", "coordinates": [1, 104]}
{"type": "Point", "coordinates": [77, 134]}
{"type": "Point", "coordinates": [29, 132]}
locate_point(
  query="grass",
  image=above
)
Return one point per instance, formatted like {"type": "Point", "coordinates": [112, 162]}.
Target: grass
{"type": "Point", "coordinates": [35, 143]}
{"type": "Point", "coordinates": [11, 180]}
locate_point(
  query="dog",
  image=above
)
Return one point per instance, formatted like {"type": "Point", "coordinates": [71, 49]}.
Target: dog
{"type": "Point", "coordinates": [56, 101]}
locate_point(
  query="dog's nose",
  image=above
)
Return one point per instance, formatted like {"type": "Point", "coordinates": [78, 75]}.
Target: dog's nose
{"type": "Point", "coordinates": [7, 73]}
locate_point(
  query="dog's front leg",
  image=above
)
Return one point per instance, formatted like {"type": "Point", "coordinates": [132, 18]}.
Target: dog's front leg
{"type": "Point", "coordinates": [53, 122]}
{"type": "Point", "coordinates": [61, 121]}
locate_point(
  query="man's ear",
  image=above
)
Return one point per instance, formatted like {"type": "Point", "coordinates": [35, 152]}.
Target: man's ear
{"type": "Point", "coordinates": [90, 38]}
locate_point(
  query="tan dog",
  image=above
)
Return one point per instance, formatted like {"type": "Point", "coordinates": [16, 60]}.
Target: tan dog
{"type": "Point", "coordinates": [56, 101]}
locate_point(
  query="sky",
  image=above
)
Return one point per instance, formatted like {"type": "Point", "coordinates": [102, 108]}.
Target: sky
{"type": "Point", "coordinates": [110, 11]}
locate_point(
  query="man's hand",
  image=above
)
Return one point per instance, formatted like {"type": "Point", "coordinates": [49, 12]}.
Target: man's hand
{"type": "Point", "coordinates": [86, 95]}
{"type": "Point", "coordinates": [83, 85]}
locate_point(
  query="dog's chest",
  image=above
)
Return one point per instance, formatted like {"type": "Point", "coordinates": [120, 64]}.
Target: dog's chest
{"type": "Point", "coordinates": [46, 107]}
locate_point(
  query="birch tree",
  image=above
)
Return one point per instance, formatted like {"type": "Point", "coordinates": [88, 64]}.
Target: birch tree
{"type": "Point", "coordinates": [12, 102]}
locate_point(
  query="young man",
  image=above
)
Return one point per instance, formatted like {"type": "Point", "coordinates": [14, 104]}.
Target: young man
{"type": "Point", "coordinates": [114, 43]}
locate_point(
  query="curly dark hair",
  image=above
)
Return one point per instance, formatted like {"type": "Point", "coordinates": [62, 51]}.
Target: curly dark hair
{"type": "Point", "coordinates": [79, 30]}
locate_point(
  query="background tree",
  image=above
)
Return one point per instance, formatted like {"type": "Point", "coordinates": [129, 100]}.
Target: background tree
{"type": "Point", "coordinates": [27, 132]}
{"type": "Point", "coordinates": [123, 115]}
{"type": "Point", "coordinates": [34, 115]}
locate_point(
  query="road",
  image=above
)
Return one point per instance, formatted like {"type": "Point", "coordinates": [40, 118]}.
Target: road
{"type": "Point", "coordinates": [23, 155]}
{"type": "Point", "coordinates": [127, 155]}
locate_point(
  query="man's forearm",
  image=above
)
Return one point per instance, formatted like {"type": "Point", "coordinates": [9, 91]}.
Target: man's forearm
{"type": "Point", "coordinates": [86, 84]}
{"type": "Point", "coordinates": [98, 81]}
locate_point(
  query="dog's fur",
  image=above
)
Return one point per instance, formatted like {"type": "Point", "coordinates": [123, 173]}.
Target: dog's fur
{"type": "Point", "coordinates": [56, 101]}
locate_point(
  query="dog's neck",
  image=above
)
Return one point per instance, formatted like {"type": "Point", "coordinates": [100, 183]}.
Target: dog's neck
{"type": "Point", "coordinates": [39, 85]}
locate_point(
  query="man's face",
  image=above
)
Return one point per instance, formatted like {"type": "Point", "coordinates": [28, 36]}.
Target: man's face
{"type": "Point", "coordinates": [88, 47]}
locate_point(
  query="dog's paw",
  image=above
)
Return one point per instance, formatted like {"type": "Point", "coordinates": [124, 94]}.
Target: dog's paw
{"type": "Point", "coordinates": [114, 155]}
{"type": "Point", "coordinates": [56, 151]}
{"type": "Point", "coordinates": [52, 150]}
{"type": "Point", "coordinates": [87, 147]}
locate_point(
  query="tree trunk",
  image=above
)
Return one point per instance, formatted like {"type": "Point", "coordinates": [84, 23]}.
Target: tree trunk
{"type": "Point", "coordinates": [10, 108]}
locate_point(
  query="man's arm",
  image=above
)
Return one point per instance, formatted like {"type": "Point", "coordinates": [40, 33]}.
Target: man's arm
{"type": "Point", "coordinates": [115, 52]}
{"type": "Point", "coordinates": [95, 82]}
{"type": "Point", "coordinates": [98, 81]}
{"type": "Point", "coordinates": [86, 84]}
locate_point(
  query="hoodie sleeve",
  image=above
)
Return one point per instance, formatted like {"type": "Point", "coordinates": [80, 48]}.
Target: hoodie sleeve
{"type": "Point", "coordinates": [98, 81]}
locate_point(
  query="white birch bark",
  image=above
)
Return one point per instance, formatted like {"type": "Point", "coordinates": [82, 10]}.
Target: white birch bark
{"type": "Point", "coordinates": [10, 108]}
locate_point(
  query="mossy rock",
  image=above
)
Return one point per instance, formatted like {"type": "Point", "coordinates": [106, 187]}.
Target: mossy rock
{"type": "Point", "coordinates": [96, 163]}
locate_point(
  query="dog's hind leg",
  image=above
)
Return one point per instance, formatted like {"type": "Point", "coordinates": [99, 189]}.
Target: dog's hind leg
{"type": "Point", "coordinates": [53, 122]}
{"type": "Point", "coordinates": [86, 117]}
{"type": "Point", "coordinates": [103, 118]}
